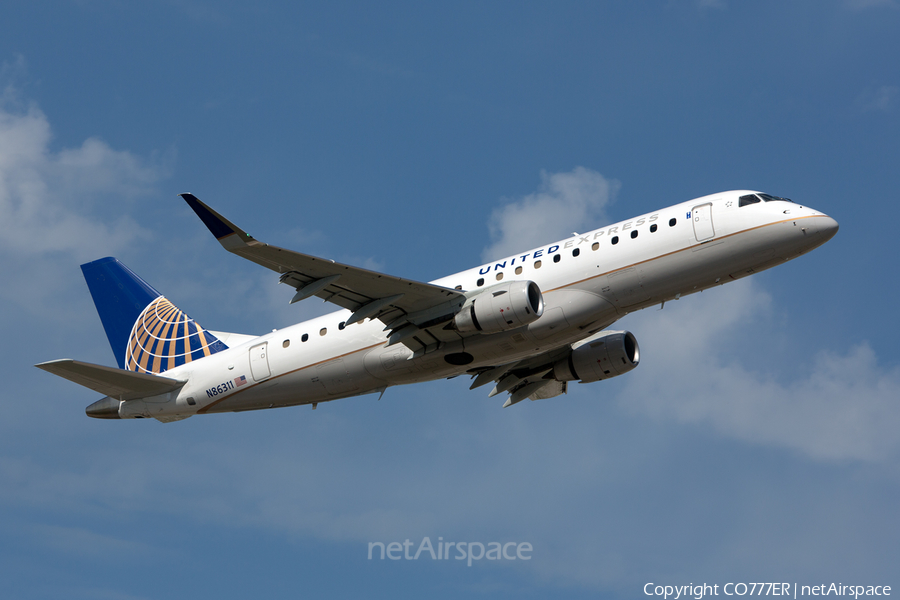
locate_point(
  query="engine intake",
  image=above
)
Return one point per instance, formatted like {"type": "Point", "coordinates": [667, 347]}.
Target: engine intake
{"type": "Point", "coordinates": [605, 355]}
{"type": "Point", "coordinates": [501, 307]}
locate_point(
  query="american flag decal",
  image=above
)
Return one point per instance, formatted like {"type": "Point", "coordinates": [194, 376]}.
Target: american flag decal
{"type": "Point", "coordinates": [240, 380]}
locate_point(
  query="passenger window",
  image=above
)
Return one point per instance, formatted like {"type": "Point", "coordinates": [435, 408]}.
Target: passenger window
{"type": "Point", "coordinates": [459, 287]}
{"type": "Point", "coordinates": [672, 222]}
{"type": "Point", "coordinates": [537, 264]}
{"type": "Point", "coordinates": [576, 252]}
{"type": "Point", "coordinates": [285, 343]}
{"type": "Point", "coordinates": [634, 234]}
{"type": "Point", "coordinates": [323, 331]}
{"type": "Point", "coordinates": [557, 258]}
{"type": "Point", "coordinates": [615, 240]}
{"type": "Point", "coordinates": [304, 337]}
{"type": "Point", "coordinates": [518, 270]}
{"type": "Point", "coordinates": [653, 228]}
{"type": "Point", "coordinates": [499, 276]}
{"type": "Point", "coordinates": [595, 246]}
{"type": "Point", "coordinates": [480, 282]}
{"type": "Point", "coordinates": [342, 324]}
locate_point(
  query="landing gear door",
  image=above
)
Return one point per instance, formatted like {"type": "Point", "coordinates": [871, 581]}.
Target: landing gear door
{"type": "Point", "coordinates": [701, 216]}
{"type": "Point", "coordinates": [259, 361]}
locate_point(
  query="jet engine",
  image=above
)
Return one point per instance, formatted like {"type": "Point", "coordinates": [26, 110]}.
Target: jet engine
{"type": "Point", "coordinates": [501, 307]}
{"type": "Point", "coordinates": [605, 355]}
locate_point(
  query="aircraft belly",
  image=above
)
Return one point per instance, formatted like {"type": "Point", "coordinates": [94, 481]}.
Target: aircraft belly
{"type": "Point", "coordinates": [339, 377]}
{"type": "Point", "coordinates": [626, 286]}
{"type": "Point", "coordinates": [571, 308]}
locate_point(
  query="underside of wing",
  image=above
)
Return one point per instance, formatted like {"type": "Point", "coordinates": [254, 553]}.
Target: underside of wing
{"type": "Point", "coordinates": [532, 378]}
{"type": "Point", "coordinates": [109, 381]}
{"type": "Point", "coordinates": [411, 310]}
{"type": "Point", "coordinates": [604, 355]}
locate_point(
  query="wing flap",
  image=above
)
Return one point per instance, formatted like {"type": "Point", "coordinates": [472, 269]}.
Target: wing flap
{"type": "Point", "coordinates": [524, 379]}
{"type": "Point", "coordinates": [109, 381]}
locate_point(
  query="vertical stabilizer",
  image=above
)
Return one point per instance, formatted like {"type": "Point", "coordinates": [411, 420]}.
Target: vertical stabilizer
{"type": "Point", "coordinates": [147, 333]}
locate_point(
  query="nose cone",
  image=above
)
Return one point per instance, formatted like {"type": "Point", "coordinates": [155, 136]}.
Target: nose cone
{"type": "Point", "coordinates": [827, 227]}
{"type": "Point", "coordinates": [107, 408]}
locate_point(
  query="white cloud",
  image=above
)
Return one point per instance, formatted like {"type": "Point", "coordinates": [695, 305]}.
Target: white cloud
{"type": "Point", "coordinates": [564, 202]}
{"type": "Point", "coordinates": [72, 202]}
{"type": "Point", "coordinates": [78, 541]}
{"type": "Point", "coordinates": [881, 99]}
{"type": "Point", "coordinates": [45, 196]}
{"type": "Point", "coordinates": [834, 405]}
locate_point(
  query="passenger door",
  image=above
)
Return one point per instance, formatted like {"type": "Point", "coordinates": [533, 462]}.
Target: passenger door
{"type": "Point", "coordinates": [259, 361]}
{"type": "Point", "coordinates": [703, 225]}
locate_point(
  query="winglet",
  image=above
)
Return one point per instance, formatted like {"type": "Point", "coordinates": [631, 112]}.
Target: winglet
{"type": "Point", "coordinates": [219, 226]}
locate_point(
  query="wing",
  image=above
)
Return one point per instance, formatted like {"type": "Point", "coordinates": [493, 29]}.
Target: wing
{"type": "Point", "coordinates": [117, 383]}
{"type": "Point", "coordinates": [410, 310]}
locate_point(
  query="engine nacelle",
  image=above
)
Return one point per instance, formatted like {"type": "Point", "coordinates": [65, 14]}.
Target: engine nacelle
{"type": "Point", "coordinates": [605, 355]}
{"type": "Point", "coordinates": [501, 307]}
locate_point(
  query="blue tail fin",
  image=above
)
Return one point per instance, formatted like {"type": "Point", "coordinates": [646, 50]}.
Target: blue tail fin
{"type": "Point", "coordinates": [148, 334]}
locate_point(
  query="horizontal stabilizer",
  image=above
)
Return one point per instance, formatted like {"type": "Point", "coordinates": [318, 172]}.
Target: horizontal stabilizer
{"type": "Point", "coordinates": [117, 383]}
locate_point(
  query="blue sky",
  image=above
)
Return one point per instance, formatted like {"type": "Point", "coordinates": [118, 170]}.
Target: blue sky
{"type": "Point", "coordinates": [757, 441]}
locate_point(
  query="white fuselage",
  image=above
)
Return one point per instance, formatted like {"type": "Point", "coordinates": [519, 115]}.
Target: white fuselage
{"type": "Point", "coordinates": [588, 282]}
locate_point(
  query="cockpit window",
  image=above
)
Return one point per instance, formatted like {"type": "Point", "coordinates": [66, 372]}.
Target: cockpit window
{"type": "Point", "coordinates": [754, 198]}
{"type": "Point", "coordinates": [769, 198]}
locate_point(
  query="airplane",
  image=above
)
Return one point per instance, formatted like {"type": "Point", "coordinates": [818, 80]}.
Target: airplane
{"type": "Point", "coordinates": [529, 323]}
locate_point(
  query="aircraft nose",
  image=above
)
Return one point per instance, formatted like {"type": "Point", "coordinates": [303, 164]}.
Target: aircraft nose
{"type": "Point", "coordinates": [827, 227]}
